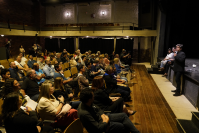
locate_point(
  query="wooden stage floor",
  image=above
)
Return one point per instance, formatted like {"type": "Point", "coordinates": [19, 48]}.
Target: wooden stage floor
{"type": "Point", "coordinates": [154, 115]}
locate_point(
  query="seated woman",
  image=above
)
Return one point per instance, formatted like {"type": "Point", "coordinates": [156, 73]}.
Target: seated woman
{"type": "Point", "coordinates": [12, 85]}
{"type": "Point", "coordinates": [169, 56]}
{"type": "Point", "coordinates": [66, 92]}
{"type": "Point", "coordinates": [117, 66]}
{"type": "Point", "coordinates": [5, 74]}
{"type": "Point", "coordinates": [106, 103]}
{"type": "Point", "coordinates": [17, 120]}
{"type": "Point", "coordinates": [119, 78]}
{"type": "Point", "coordinates": [51, 109]}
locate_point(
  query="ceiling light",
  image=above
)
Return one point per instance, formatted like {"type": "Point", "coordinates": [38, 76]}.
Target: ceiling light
{"type": "Point", "coordinates": [87, 36]}
{"type": "Point", "coordinates": [127, 36]}
{"type": "Point", "coordinates": [2, 35]}
{"type": "Point", "coordinates": [103, 13]}
{"type": "Point", "coordinates": [67, 14]}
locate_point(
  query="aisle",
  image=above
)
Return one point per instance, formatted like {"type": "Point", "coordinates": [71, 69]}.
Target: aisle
{"type": "Point", "coordinates": [154, 115]}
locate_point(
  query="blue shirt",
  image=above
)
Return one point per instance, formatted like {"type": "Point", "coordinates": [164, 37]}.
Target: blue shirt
{"type": "Point", "coordinates": [60, 75]}
{"type": "Point", "coordinates": [39, 73]}
{"type": "Point", "coordinates": [118, 68]}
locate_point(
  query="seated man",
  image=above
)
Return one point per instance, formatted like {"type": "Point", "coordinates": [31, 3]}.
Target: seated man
{"type": "Point", "coordinates": [30, 86]}
{"type": "Point", "coordinates": [48, 69]}
{"type": "Point", "coordinates": [23, 58]}
{"type": "Point", "coordinates": [40, 75]}
{"type": "Point", "coordinates": [124, 57]}
{"type": "Point", "coordinates": [58, 58]}
{"type": "Point", "coordinates": [41, 62]}
{"type": "Point", "coordinates": [14, 72]}
{"type": "Point", "coordinates": [95, 121]}
{"type": "Point", "coordinates": [94, 70]}
{"type": "Point", "coordinates": [63, 59]}
{"type": "Point", "coordinates": [89, 73]}
{"type": "Point", "coordinates": [82, 81]}
{"type": "Point", "coordinates": [21, 64]}
{"type": "Point", "coordinates": [30, 61]}
{"type": "Point", "coordinates": [112, 87]}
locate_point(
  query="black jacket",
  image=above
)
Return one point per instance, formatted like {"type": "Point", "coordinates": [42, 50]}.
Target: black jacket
{"type": "Point", "coordinates": [111, 84]}
{"type": "Point", "coordinates": [91, 118]}
{"type": "Point", "coordinates": [22, 123]}
{"type": "Point", "coordinates": [179, 62]}
{"type": "Point", "coordinates": [101, 99]}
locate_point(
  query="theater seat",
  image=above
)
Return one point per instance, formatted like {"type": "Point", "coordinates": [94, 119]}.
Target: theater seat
{"type": "Point", "coordinates": [74, 127]}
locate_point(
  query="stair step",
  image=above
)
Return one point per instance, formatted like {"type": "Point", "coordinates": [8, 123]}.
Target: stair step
{"type": "Point", "coordinates": [186, 126]}
{"type": "Point", "coordinates": [195, 118]}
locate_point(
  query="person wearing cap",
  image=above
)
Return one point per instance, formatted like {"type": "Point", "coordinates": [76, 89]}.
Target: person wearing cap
{"type": "Point", "coordinates": [124, 56]}
{"type": "Point", "coordinates": [179, 65]}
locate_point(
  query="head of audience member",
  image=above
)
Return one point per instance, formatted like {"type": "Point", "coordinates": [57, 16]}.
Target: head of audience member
{"type": "Point", "coordinates": [169, 51]}
{"type": "Point", "coordinates": [116, 60]}
{"type": "Point", "coordinates": [11, 85]}
{"type": "Point", "coordinates": [81, 69]}
{"type": "Point", "coordinates": [30, 57]}
{"type": "Point", "coordinates": [87, 96]}
{"type": "Point", "coordinates": [83, 58]}
{"type": "Point", "coordinates": [52, 57]}
{"type": "Point", "coordinates": [58, 84]}
{"type": "Point", "coordinates": [41, 59]}
{"type": "Point", "coordinates": [64, 51]}
{"type": "Point", "coordinates": [78, 60]}
{"type": "Point", "coordinates": [96, 55]}
{"type": "Point", "coordinates": [106, 55]}
{"type": "Point", "coordinates": [179, 47]}
{"type": "Point", "coordinates": [117, 56]}
{"type": "Point", "coordinates": [34, 45]}
{"type": "Point", "coordinates": [93, 56]}
{"type": "Point", "coordinates": [100, 59]}
{"type": "Point", "coordinates": [89, 52]}
{"type": "Point", "coordinates": [78, 52]}
{"type": "Point", "coordinates": [21, 55]}
{"type": "Point", "coordinates": [12, 65]}
{"type": "Point", "coordinates": [58, 55]}
{"type": "Point", "coordinates": [89, 65]}
{"type": "Point", "coordinates": [54, 53]}
{"type": "Point", "coordinates": [58, 67]}
{"type": "Point", "coordinates": [124, 51]}
{"type": "Point", "coordinates": [95, 62]}
{"type": "Point", "coordinates": [173, 49]}
{"type": "Point", "coordinates": [21, 46]}
{"type": "Point", "coordinates": [31, 74]}
{"type": "Point", "coordinates": [46, 90]}
{"type": "Point", "coordinates": [5, 74]}
{"type": "Point", "coordinates": [65, 55]}
{"type": "Point", "coordinates": [35, 66]}
{"type": "Point", "coordinates": [98, 52]}
{"type": "Point", "coordinates": [18, 59]}
{"type": "Point", "coordinates": [48, 62]}
{"type": "Point", "coordinates": [54, 61]}
{"type": "Point", "coordinates": [109, 70]}
{"type": "Point", "coordinates": [86, 53]}
{"type": "Point", "coordinates": [98, 83]}
{"type": "Point", "coordinates": [11, 105]}
{"type": "Point", "coordinates": [111, 62]}
{"type": "Point", "coordinates": [113, 53]}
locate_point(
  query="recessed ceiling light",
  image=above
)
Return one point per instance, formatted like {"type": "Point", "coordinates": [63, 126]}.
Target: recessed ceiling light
{"type": "Point", "coordinates": [2, 35]}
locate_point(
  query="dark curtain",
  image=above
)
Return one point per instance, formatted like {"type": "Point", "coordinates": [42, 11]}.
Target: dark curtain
{"type": "Point", "coordinates": [126, 44]}
{"type": "Point", "coordinates": [103, 45]}
{"type": "Point", "coordinates": [67, 44]}
{"type": "Point", "coordinates": [51, 44]}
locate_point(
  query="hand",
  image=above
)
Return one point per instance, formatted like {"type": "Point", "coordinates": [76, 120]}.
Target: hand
{"type": "Point", "coordinates": [61, 98]}
{"type": "Point", "coordinates": [105, 118]}
{"type": "Point", "coordinates": [43, 75]}
{"type": "Point", "coordinates": [99, 70]}
{"type": "Point", "coordinates": [71, 95]}
{"type": "Point", "coordinates": [70, 79]}
{"type": "Point", "coordinates": [123, 81]}
{"type": "Point", "coordinates": [118, 77]}
{"type": "Point", "coordinates": [175, 54]}
{"type": "Point", "coordinates": [28, 109]}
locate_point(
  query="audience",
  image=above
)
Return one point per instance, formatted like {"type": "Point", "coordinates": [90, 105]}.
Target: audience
{"type": "Point", "coordinates": [30, 61]}
{"type": "Point", "coordinates": [89, 74]}
{"type": "Point", "coordinates": [82, 81]}
{"type": "Point", "coordinates": [17, 120]}
{"type": "Point", "coordinates": [95, 121]}
{"type": "Point", "coordinates": [21, 64]}
{"type": "Point", "coordinates": [30, 86]}
{"type": "Point", "coordinates": [51, 109]}
{"type": "Point", "coordinates": [41, 62]}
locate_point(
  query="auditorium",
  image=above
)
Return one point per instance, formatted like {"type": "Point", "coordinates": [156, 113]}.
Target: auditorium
{"type": "Point", "coordinates": [99, 66]}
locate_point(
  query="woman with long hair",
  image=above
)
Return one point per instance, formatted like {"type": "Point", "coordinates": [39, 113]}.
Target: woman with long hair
{"type": "Point", "coordinates": [102, 99]}
{"type": "Point", "coordinates": [65, 91]}
{"type": "Point", "coordinates": [17, 120]}
{"type": "Point", "coordinates": [49, 108]}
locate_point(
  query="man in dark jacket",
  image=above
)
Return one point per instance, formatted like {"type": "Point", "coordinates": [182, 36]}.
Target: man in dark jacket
{"type": "Point", "coordinates": [95, 121]}
{"type": "Point", "coordinates": [179, 64]}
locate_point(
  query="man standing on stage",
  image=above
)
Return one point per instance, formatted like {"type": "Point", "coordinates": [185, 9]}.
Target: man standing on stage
{"type": "Point", "coordinates": [179, 64]}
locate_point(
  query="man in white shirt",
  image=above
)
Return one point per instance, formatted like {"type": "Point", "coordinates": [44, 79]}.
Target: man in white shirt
{"type": "Point", "coordinates": [41, 63]}
{"type": "Point", "coordinates": [48, 69]}
{"type": "Point", "coordinates": [169, 56]}
{"type": "Point", "coordinates": [23, 58]}
{"type": "Point", "coordinates": [21, 64]}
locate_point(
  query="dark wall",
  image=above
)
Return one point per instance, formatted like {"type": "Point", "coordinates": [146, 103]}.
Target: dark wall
{"type": "Point", "coordinates": [182, 26]}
